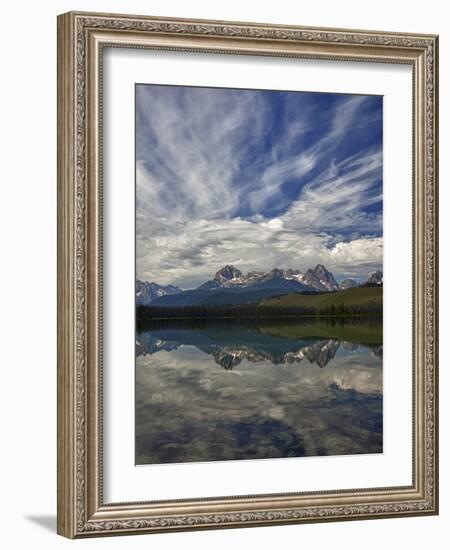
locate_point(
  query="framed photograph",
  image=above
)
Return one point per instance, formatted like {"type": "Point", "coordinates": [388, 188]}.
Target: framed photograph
{"type": "Point", "coordinates": [247, 283]}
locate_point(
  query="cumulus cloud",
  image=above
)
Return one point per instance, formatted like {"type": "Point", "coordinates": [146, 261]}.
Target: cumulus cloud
{"type": "Point", "coordinates": [256, 180]}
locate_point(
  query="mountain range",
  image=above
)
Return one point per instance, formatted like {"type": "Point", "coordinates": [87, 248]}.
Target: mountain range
{"type": "Point", "coordinates": [317, 279]}
{"type": "Point", "coordinates": [230, 286]}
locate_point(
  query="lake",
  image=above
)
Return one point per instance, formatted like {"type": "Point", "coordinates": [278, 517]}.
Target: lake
{"type": "Point", "coordinates": [217, 390]}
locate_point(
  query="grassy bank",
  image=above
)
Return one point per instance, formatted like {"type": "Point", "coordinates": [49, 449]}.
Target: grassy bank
{"type": "Point", "coordinates": [361, 333]}
{"type": "Point", "coordinates": [350, 297]}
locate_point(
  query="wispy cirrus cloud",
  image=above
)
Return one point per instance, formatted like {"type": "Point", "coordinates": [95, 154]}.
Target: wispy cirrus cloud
{"type": "Point", "coordinates": [258, 179]}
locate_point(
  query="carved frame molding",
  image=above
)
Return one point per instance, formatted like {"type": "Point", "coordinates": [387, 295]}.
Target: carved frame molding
{"type": "Point", "coordinates": [81, 39]}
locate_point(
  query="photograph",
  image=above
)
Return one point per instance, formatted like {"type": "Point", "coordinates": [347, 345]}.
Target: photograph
{"type": "Point", "coordinates": [230, 217]}
{"type": "Point", "coordinates": [259, 274]}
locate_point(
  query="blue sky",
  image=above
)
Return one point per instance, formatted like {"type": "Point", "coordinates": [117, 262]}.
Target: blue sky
{"type": "Point", "coordinates": [258, 179]}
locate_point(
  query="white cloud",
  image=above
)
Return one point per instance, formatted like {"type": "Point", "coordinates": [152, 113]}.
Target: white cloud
{"type": "Point", "coordinates": [193, 253]}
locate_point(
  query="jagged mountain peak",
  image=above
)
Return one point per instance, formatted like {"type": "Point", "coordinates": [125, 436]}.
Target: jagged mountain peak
{"type": "Point", "coordinates": [227, 273]}
{"type": "Point", "coordinates": [320, 278]}
{"type": "Point", "coordinates": [375, 277]}
{"type": "Point", "coordinates": [147, 292]}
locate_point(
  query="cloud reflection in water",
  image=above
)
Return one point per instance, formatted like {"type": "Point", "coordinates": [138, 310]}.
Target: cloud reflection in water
{"type": "Point", "coordinates": [224, 394]}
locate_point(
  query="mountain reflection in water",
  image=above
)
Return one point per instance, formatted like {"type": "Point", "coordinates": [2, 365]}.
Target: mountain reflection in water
{"type": "Point", "coordinates": [271, 398]}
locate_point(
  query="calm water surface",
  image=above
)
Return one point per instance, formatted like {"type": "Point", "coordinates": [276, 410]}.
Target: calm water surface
{"type": "Point", "coordinates": [219, 391]}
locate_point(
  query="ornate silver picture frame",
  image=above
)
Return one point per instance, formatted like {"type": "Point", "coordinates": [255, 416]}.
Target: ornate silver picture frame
{"type": "Point", "coordinates": [82, 40]}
